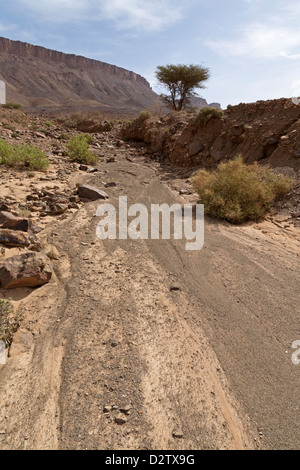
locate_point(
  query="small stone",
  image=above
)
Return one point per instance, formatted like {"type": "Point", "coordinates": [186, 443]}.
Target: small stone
{"type": "Point", "coordinates": [178, 434]}
{"type": "Point", "coordinates": [125, 409]}
{"type": "Point", "coordinates": [120, 419]}
{"type": "Point", "coordinates": [107, 408]}
{"type": "Point", "coordinates": [184, 191]}
{"type": "Point", "coordinates": [40, 134]}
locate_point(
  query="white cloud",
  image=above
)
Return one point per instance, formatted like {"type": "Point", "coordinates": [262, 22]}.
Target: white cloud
{"type": "Point", "coordinates": [260, 41]}
{"type": "Point", "coordinates": [143, 15]}
{"type": "Point", "coordinates": [272, 31]}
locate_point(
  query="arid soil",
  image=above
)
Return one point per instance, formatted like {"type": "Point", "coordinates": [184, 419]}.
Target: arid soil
{"type": "Point", "coordinates": [142, 344]}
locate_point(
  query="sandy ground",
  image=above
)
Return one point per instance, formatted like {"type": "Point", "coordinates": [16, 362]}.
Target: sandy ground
{"type": "Point", "coordinates": [209, 363]}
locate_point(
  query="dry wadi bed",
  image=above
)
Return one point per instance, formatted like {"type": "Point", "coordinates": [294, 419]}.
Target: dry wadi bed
{"type": "Point", "coordinates": [142, 345]}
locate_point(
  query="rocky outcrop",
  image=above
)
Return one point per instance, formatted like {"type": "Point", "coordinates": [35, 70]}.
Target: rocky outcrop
{"type": "Point", "coordinates": [266, 131]}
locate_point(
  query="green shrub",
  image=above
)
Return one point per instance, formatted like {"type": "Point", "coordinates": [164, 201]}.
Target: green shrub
{"type": "Point", "coordinates": [78, 149]}
{"type": "Point", "coordinates": [9, 324]}
{"type": "Point", "coordinates": [22, 156]}
{"type": "Point", "coordinates": [87, 137]}
{"type": "Point", "coordinates": [11, 106]}
{"type": "Point", "coordinates": [238, 192]}
{"type": "Point", "coordinates": [206, 114]}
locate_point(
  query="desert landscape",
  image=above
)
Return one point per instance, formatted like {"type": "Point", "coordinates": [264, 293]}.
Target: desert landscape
{"type": "Point", "coordinates": [140, 344]}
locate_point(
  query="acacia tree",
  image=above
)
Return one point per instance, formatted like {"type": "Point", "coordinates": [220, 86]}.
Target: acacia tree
{"type": "Point", "coordinates": [181, 81]}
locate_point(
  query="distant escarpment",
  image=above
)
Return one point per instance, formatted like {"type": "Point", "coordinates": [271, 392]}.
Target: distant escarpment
{"type": "Point", "coordinates": [37, 77]}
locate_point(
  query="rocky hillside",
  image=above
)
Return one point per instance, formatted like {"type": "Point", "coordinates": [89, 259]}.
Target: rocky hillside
{"type": "Point", "coordinates": [42, 79]}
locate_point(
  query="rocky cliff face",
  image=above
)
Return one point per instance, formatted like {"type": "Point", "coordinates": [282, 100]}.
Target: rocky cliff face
{"type": "Point", "coordinates": [265, 131]}
{"type": "Point", "coordinates": [39, 77]}
{"type": "Point", "coordinates": [23, 49]}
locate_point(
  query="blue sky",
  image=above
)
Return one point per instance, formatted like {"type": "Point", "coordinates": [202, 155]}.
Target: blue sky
{"type": "Point", "coordinates": [251, 46]}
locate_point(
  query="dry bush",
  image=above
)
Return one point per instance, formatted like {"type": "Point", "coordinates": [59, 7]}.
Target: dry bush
{"type": "Point", "coordinates": [238, 192]}
{"type": "Point", "coordinates": [9, 323]}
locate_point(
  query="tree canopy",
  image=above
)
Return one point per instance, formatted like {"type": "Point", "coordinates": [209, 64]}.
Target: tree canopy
{"type": "Point", "coordinates": [181, 81]}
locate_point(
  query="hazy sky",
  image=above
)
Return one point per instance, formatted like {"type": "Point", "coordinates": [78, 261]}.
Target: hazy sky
{"type": "Point", "coordinates": [251, 46]}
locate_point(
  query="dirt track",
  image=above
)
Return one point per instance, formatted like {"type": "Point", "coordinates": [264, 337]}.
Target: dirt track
{"type": "Point", "coordinates": [211, 361]}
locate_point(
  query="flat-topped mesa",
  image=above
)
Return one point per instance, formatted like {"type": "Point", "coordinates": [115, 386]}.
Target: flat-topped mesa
{"type": "Point", "coordinates": [23, 49]}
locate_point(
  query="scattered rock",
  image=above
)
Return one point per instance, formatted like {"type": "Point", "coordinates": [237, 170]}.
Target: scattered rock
{"type": "Point", "coordinates": [25, 270]}
{"type": "Point", "coordinates": [14, 238]}
{"type": "Point", "coordinates": [177, 434]}
{"type": "Point", "coordinates": [107, 408]}
{"type": "Point", "coordinates": [126, 409]}
{"type": "Point", "coordinates": [185, 191]}
{"type": "Point", "coordinates": [40, 134]}
{"type": "Point", "coordinates": [90, 192]}
{"type": "Point", "coordinates": [10, 221]}
{"type": "Point", "coordinates": [83, 167]}
{"type": "Point", "coordinates": [121, 419]}
{"type": "Point", "coordinates": [57, 208]}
